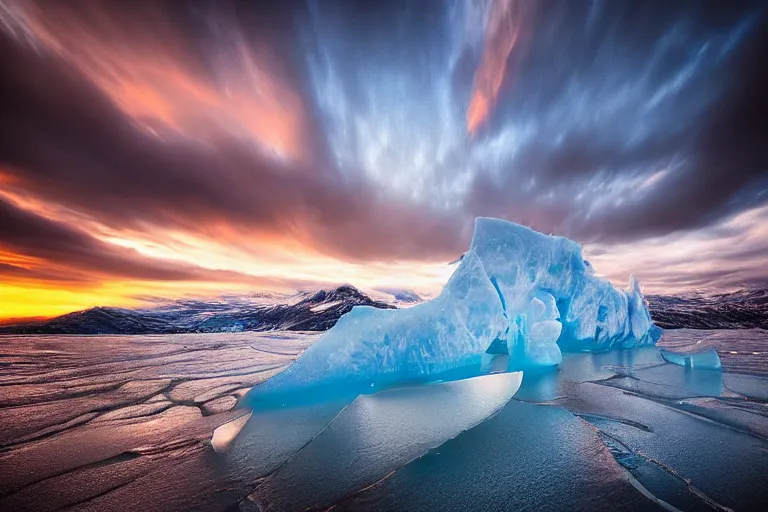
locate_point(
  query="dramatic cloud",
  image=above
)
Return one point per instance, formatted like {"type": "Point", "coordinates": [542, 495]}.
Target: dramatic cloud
{"type": "Point", "coordinates": [182, 145]}
{"type": "Point", "coordinates": [505, 19]}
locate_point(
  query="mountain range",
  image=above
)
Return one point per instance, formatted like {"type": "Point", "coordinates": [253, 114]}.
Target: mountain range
{"type": "Point", "coordinates": [305, 311]}
{"type": "Point", "coordinates": [743, 309]}
{"type": "Point", "coordinates": [320, 310]}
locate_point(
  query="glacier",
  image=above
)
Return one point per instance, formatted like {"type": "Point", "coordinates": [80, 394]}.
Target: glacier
{"type": "Point", "coordinates": [707, 359]}
{"type": "Point", "coordinates": [517, 294]}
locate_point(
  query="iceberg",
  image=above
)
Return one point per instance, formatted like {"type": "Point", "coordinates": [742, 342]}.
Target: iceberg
{"type": "Point", "coordinates": [702, 360]}
{"type": "Point", "coordinates": [516, 292]}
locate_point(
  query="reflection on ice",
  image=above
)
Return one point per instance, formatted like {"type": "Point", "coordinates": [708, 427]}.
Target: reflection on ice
{"type": "Point", "coordinates": [604, 365]}
{"type": "Point", "coordinates": [704, 383]}
{"type": "Point", "coordinates": [539, 387]}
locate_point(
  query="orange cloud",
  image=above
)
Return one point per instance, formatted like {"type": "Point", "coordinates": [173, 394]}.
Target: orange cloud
{"type": "Point", "coordinates": [501, 35]}
{"type": "Point", "coordinates": [150, 75]}
{"type": "Point", "coordinates": [18, 260]}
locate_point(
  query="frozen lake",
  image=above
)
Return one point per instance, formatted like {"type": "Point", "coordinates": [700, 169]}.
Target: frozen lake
{"type": "Point", "coordinates": [123, 423]}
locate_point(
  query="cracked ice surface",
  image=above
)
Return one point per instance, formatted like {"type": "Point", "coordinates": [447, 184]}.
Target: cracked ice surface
{"type": "Point", "coordinates": [516, 291]}
{"type": "Point", "coordinates": [92, 423]}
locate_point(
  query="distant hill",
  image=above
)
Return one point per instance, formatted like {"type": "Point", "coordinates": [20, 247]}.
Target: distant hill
{"type": "Point", "coordinates": [742, 309]}
{"type": "Point", "coordinates": [320, 310]}
{"type": "Point", "coordinates": [307, 311]}
{"type": "Point", "coordinates": [402, 296]}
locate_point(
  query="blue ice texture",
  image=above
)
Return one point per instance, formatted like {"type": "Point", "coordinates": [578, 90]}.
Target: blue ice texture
{"type": "Point", "coordinates": [517, 294]}
{"type": "Point", "coordinates": [701, 360]}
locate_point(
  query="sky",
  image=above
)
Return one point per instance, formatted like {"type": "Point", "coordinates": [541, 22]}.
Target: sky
{"type": "Point", "coordinates": [166, 149]}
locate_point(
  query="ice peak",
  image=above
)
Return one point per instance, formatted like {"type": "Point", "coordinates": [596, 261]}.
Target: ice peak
{"type": "Point", "coordinates": [515, 291]}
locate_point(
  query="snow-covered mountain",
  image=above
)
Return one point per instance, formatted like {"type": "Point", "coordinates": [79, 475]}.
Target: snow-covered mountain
{"type": "Point", "coordinates": [306, 311]}
{"type": "Point", "coordinates": [402, 296]}
{"type": "Point", "coordinates": [319, 310]}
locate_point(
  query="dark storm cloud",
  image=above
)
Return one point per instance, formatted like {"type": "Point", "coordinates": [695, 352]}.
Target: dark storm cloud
{"type": "Point", "coordinates": [727, 165]}
{"type": "Point", "coordinates": [633, 91]}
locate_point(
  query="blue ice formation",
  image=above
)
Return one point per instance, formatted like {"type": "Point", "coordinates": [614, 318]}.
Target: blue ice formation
{"type": "Point", "coordinates": [516, 292]}
{"type": "Point", "coordinates": [701, 360]}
